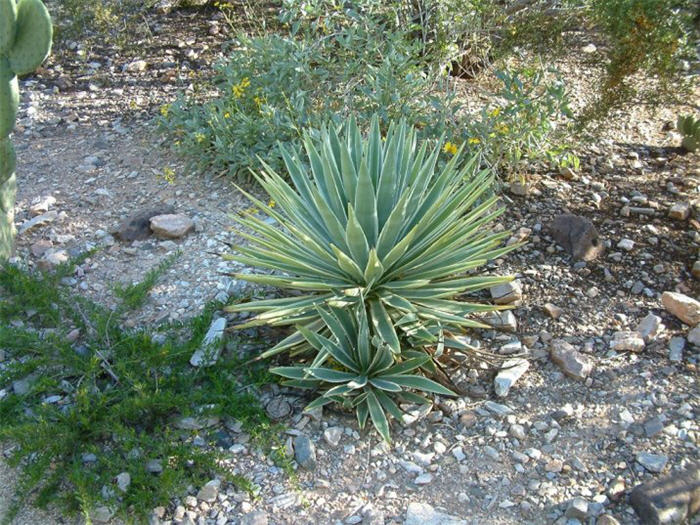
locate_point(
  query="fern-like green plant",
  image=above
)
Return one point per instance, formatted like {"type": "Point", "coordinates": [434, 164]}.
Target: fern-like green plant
{"type": "Point", "coordinates": [376, 224]}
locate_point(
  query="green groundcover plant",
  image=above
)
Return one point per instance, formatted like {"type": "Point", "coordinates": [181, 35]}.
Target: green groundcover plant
{"type": "Point", "coordinates": [385, 231]}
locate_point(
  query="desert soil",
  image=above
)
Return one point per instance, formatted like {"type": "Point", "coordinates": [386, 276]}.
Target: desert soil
{"type": "Point", "coordinates": [84, 138]}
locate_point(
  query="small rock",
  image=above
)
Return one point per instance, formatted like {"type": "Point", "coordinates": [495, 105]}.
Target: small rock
{"type": "Point", "coordinates": [577, 235]}
{"type": "Point", "coordinates": [172, 226]}
{"type": "Point", "coordinates": [154, 466]}
{"type": "Point", "coordinates": [42, 206]}
{"type": "Point", "coordinates": [39, 220]}
{"type": "Point", "coordinates": [278, 408]}
{"type": "Point", "coordinates": [305, 452]}
{"type": "Point", "coordinates": [577, 509]}
{"type": "Point", "coordinates": [502, 320]}
{"type": "Point", "coordinates": [257, 517]}
{"type": "Point", "coordinates": [696, 269]}
{"type": "Point", "coordinates": [554, 465]}
{"type": "Point", "coordinates": [520, 189]}
{"type": "Point", "coordinates": [553, 310]}
{"type": "Point", "coordinates": [653, 426]}
{"type": "Point", "coordinates": [136, 66]}
{"type": "Point", "coordinates": [101, 514]}
{"type": "Point", "coordinates": [507, 293]}
{"type": "Point", "coordinates": [589, 48]}
{"type": "Point", "coordinates": [627, 340]}
{"type": "Point", "coordinates": [497, 408]}
{"type": "Point", "coordinates": [332, 435]}
{"type": "Point", "coordinates": [694, 336]}
{"type": "Point", "coordinates": [669, 499]}
{"type": "Point", "coordinates": [40, 247]}
{"type": "Point", "coordinates": [652, 462]}
{"type": "Point", "coordinates": [196, 423]}
{"type": "Point", "coordinates": [679, 211]}
{"type": "Point", "coordinates": [510, 372]}
{"type": "Point", "coordinates": [675, 349]}
{"type": "Point", "coordinates": [424, 514]}
{"type": "Point", "coordinates": [137, 226]}
{"type": "Point", "coordinates": [210, 491]}
{"type": "Point", "coordinates": [571, 361]}
{"type": "Point", "coordinates": [606, 519]}
{"type": "Point", "coordinates": [682, 306]}
{"type": "Point", "coordinates": [423, 479]}
{"type": "Point", "coordinates": [626, 244]}
{"type": "Point", "coordinates": [208, 353]}
{"type": "Point", "coordinates": [123, 481]}
{"type": "Point", "coordinates": [650, 327]}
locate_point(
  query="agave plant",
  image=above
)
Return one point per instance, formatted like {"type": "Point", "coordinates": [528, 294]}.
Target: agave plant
{"type": "Point", "coordinates": [374, 220]}
{"type": "Point", "coordinates": [351, 370]}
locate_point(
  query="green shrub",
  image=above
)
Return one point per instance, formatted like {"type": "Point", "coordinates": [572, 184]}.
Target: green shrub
{"type": "Point", "coordinates": [376, 224]}
{"type": "Point", "coordinates": [525, 125]}
{"type": "Point", "coordinates": [272, 88]}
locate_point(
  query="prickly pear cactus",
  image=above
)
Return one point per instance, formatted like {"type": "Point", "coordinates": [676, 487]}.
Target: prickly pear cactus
{"type": "Point", "coordinates": [25, 42]}
{"type": "Point", "coordinates": [689, 127]}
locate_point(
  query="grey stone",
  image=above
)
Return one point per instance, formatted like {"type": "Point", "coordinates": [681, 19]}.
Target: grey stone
{"type": "Point", "coordinates": [675, 349]}
{"type": "Point", "coordinates": [511, 371]}
{"type": "Point", "coordinates": [21, 386]}
{"type": "Point", "coordinates": [497, 408]}
{"type": "Point", "coordinates": [669, 499]}
{"type": "Point", "coordinates": [154, 466]}
{"type": "Point", "coordinates": [332, 435]}
{"type": "Point", "coordinates": [570, 361]}
{"type": "Point", "coordinates": [652, 462]}
{"type": "Point", "coordinates": [305, 452]}
{"type": "Point", "coordinates": [685, 308]}
{"type": "Point", "coordinates": [210, 350]}
{"type": "Point", "coordinates": [650, 327]}
{"type": "Point", "coordinates": [278, 408]}
{"type": "Point", "coordinates": [424, 514]}
{"type": "Point", "coordinates": [679, 211]}
{"type": "Point", "coordinates": [210, 491]}
{"type": "Point", "coordinates": [137, 226]}
{"type": "Point", "coordinates": [196, 423]}
{"type": "Point", "coordinates": [626, 244]}
{"type": "Point", "coordinates": [653, 426]}
{"type": "Point", "coordinates": [39, 220]}
{"type": "Point", "coordinates": [502, 320]}
{"type": "Point", "coordinates": [694, 336]}
{"type": "Point", "coordinates": [172, 225]}
{"type": "Point", "coordinates": [123, 481]}
{"type": "Point", "coordinates": [577, 509]}
{"type": "Point", "coordinates": [101, 514]}
{"type": "Point", "coordinates": [507, 293]}
{"type": "Point", "coordinates": [606, 519]}
{"type": "Point", "coordinates": [627, 340]}
{"type": "Point", "coordinates": [577, 235]}
{"type": "Point", "coordinates": [423, 479]}
{"type": "Point", "coordinates": [257, 517]}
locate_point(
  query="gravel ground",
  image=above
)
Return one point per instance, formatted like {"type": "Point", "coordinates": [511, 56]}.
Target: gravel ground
{"type": "Point", "coordinates": [553, 450]}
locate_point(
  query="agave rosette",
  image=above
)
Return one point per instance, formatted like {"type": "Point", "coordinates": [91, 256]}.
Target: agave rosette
{"type": "Point", "coordinates": [378, 220]}
{"type": "Point", "coordinates": [351, 369]}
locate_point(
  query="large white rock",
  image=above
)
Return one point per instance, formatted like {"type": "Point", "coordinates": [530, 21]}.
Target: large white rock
{"type": "Point", "coordinates": [424, 514]}
{"type": "Point", "coordinates": [685, 308]}
{"type": "Point", "coordinates": [208, 353]}
{"type": "Point", "coordinates": [511, 371]}
{"type": "Point", "coordinates": [172, 226]}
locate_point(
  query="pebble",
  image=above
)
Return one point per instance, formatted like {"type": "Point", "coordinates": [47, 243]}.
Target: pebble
{"type": "Point", "coordinates": [332, 435]}
{"type": "Point", "coordinates": [424, 514]}
{"type": "Point", "coordinates": [652, 462]}
{"type": "Point", "coordinates": [154, 466]}
{"type": "Point", "coordinates": [650, 327]}
{"type": "Point", "coordinates": [570, 361]}
{"type": "Point", "coordinates": [423, 479]}
{"type": "Point", "coordinates": [679, 211]}
{"type": "Point", "coordinates": [305, 452]}
{"type": "Point", "coordinates": [675, 349]}
{"type": "Point", "coordinates": [627, 341]}
{"type": "Point", "coordinates": [694, 336]}
{"type": "Point", "coordinates": [511, 371]}
{"type": "Point", "coordinates": [553, 310]}
{"type": "Point", "coordinates": [507, 293]}
{"type": "Point", "coordinates": [626, 244]}
{"type": "Point", "coordinates": [577, 509]}
{"type": "Point", "coordinates": [123, 481]}
{"type": "Point", "coordinates": [210, 350]}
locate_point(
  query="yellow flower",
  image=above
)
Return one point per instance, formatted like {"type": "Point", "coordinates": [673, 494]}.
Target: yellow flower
{"type": "Point", "coordinates": [450, 148]}
{"type": "Point", "coordinates": [200, 137]}
{"type": "Point", "coordinates": [168, 175]}
{"type": "Point", "coordinates": [271, 204]}
{"type": "Point", "coordinates": [495, 112]}
{"type": "Point", "coordinates": [165, 110]}
{"type": "Point", "coordinates": [502, 129]}
{"type": "Point", "coordinates": [474, 140]}
{"type": "Point", "coordinates": [227, 115]}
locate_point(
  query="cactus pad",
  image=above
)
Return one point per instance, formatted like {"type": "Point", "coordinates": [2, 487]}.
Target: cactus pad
{"type": "Point", "coordinates": [34, 35]}
{"type": "Point", "coordinates": [8, 191]}
{"type": "Point", "coordinates": [8, 21]}
{"type": "Point", "coordinates": [9, 100]}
